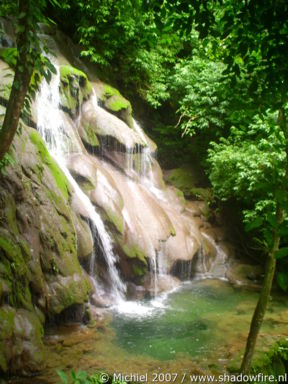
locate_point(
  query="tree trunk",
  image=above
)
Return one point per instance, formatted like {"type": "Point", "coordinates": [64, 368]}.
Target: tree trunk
{"type": "Point", "coordinates": [20, 84]}
{"type": "Point", "coordinates": [260, 309]}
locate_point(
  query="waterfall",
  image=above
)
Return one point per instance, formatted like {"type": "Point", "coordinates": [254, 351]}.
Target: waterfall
{"type": "Point", "coordinates": [208, 267]}
{"type": "Point", "coordinates": [53, 129]}
{"type": "Point", "coordinates": [145, 156]}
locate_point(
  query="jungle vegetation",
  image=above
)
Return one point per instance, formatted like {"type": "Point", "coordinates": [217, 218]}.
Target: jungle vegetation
{"type": "Point", "coordinates": [214, 77]}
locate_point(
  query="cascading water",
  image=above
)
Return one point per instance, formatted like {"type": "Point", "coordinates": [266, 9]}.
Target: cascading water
{"type": "Point", "coordinates": [209, 268]}
{"type": "Point", "coordinates": [139, 169]}
{"type": "Point", "coordinates": [145, 157]}
{"type": "Point", "coordinates": [52, 128]}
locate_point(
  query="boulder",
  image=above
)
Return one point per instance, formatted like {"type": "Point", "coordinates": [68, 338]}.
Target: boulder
{"type": "Point", "coordinates": [84, 240]}
{"type": "Point", "coordinates": [112, 133]}
{"type": "Point", "coordinates": [74, 88]}
{"type": "Point", "coordinates": [21, 345]}
{"type": "Point", "coordinates": [162, 283]}
{"type": "Point", "coordinates": [111, 99]}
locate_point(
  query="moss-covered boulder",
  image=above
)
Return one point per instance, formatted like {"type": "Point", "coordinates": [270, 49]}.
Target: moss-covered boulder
{"type": "Point", "coordinates": [66, 291]}
{"type": "Point", "coordinates": [112, 100]}
{"type": "Point", "coordinates": [74, 88]}
{"type": "Point", "coordinates": [21, 345]}
{"type": "Point", "coordinates": [184, 178]}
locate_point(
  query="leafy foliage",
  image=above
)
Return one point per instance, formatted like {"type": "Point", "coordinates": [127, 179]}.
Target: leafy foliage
{"type": "Point", "coordinates": [199, 85]}
{"type": "Point", "coordinates": [250, 166]}
{"type": "Point", "coordinates": [7, 160]}
{"type": "Point", "coordinates": [82, 377]}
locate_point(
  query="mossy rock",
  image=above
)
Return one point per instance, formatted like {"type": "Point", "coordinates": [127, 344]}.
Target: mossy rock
{"type": "Point", "coordinates": [88, 135]}
{"type": "Point", "coordinates": [202, 194]}
{"type": "Point", "coordinates": [14, 270]}
{"type": "Point", "coordinates": [68, 291]}
{"type": "Point", "coordinates": [133, 263]}
{"type": "Point", "coordinates": [115, 103]}
{"type": "Point", "coordinates": [74, 88]}
{"type": "Point", "coordinates": [21, 345]}
{"type": "Point", "coordinates": [182, 178]}
{"type": "Point", "coordinates": [186, 179]}
{"type": "Point", "coordinates": [59, 177]}
{"type": "Point", "coordinates": [116, 219]}
{"type": "Point", "coordinates": [108, 92]}
{"type": "Point", "coordinates": [39, 267]}
{"type": "Point", "coordinates": [134, 252]}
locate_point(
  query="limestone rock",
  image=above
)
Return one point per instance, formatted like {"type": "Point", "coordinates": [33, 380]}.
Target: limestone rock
{"type": "Point", "coordinates": [74, 88]}
{"type": "Point", "coordinates": [111, 132]}
{"type": "Point", "coordinates": [63, 292]}
{"type": "Point", "coordinates": [84, 240]}
{"type": "Point", "coordinates": [21, 346]}
{"type": "Point", "coordinates": [111, 99]}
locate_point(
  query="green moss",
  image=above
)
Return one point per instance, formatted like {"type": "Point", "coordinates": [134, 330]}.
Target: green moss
{"type": "Point", "coordinates": [57, 173]}
{"type": "Point", "coordinates": [67, 72]}
{"type": "Point", "coordinates": [182, 178]}
{"type": "Point", "coordinates": [15, 271]}
{"type": "Point", "coordinates": [74, 87]}
{"type": "Point", "coordinates": [6, 332]}
{"type": "Point", "coordinates": [202, 193]}
{"type": "Point", "coordinates": [133, 251]}
{"type": "Point", "coordinates": [5, 90]}
{"type": "Point", "coordinates": [108, 92]}
{"type": "Point", "coordinates": [10, 212]}
{"type": "Point", "coordinates": [16, 327]}
{"type": "Point", "coordinates": [5, 287]}
{"type": "Point", "coordinates": [69, 293]}
{"type": "Point", "coordinates": [117, 103]}
{"type": "Point", "coordinates": [138, 271]}
{"type": "Point", "coordinates": [116, 220]}
{"type": "Point", "coordinates": [89, 136]}
{"type": "Point", "coordinates": [172, 231]}
{"type": "Point", "coordinates": [9, 55]}
{"type": "Point", "coordinates": [7, 316]}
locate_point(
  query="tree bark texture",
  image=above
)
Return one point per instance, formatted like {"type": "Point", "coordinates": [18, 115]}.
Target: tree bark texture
{"type": "Point", "coordinates": [20, 84]}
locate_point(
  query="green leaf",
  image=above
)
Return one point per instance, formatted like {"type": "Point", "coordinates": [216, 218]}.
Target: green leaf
{"type": "Point", "coordinates": [22, 15]}
{"type": "Point", "coordinates": [238, 60]}
{"type": "Point", "coordinates": [254, 224]}
{"type": "Point", "coordinates": [283, 252]}
{"type": "Point", "coordinates": [62, 376]}
{"type": "Point", "coordinates": [282, 280]}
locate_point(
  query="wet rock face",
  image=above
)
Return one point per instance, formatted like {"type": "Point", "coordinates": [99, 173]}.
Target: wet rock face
{"type": "Point", "coordinates": [40, 274]}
